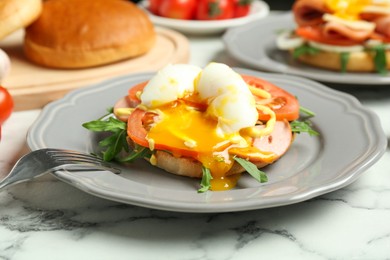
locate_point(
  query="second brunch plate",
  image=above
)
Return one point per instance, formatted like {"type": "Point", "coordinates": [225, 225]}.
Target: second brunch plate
{"type": "Point", "coordinates": [258, 10]}
{"type": "Point", "coordinates": [255, 45]}
{"type": "Point", "coordinates": [351, 141]}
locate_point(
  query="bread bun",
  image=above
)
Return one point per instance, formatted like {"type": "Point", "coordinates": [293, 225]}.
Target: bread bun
{"type": "Point", "coordinates": [16, 14]}
{"type": "Point", "coordinates": [86, 33]}
{"type": "Point", "coordinates": [185, 166]}
{"type": "Point", "coordinates": [361, 61]}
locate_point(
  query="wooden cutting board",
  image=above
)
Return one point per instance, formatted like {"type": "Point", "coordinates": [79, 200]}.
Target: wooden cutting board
{"type": "Point", "coordinates": [33, 86]}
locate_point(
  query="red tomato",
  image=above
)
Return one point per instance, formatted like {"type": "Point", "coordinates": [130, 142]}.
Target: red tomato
{"type": "Point", "coordinates": [133, 92]}
{"type": "Point", "coordinates": [6, 105]}
{"type": "Point", "coordinates": [241, 8]}
{"type": "Point", "coordinates": [154, 5]}
{"type": "Point", "coordinates": [177, 9]}
{"type": "Point", "coordinates": [214, 10]}
{"type": "Point", "coordinates": [314, 33]}
{"type": "Point", "coordinates": [284, 104]}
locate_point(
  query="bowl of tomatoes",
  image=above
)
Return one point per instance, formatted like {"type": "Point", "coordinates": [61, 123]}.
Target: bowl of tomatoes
{"type": "Point", "coordinates": [204, 16]}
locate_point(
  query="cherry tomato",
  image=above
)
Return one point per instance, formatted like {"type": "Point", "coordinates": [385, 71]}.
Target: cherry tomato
{"type": "Point", "coordinates": [241, 8]}
{"type": "Point", "coordinates": [214, 10]}
{"type": "Point", "coordinates": [6, 105]}
{"type": "Point", "coordinates": [284, 104]}
{"type": "Point", "coordinates": [314, 33]}
{"type": "Point", "coordinates": [177, 9]}
{"type": "Point", "coordinates": [154, 6]}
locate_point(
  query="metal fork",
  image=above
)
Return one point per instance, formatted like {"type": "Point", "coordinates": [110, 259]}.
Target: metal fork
{"type": "Point", "coordinates": [48, 160]}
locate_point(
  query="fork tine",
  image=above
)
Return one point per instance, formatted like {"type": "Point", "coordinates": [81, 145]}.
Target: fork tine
{"type": "Point", "coordinates": [85, 167]}
{"type": "Point", "coordinates": [64, 155]}
{"type": "Point", "coordinates": [69, 158]}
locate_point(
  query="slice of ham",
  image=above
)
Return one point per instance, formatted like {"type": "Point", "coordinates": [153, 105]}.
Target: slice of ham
{"type": "Point", "coordinates": [124, 102]}
{"type": "Point", "coordinates": [278, 141]}
{"type": "Point", "coordinates": [383, 25]}
{"type": "Point", "coordinates": [309, 12]}
{"type": "Point", "coordinates": [338, 30]}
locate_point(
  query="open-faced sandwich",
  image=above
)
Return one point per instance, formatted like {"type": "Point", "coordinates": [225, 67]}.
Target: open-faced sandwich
{"type": "Point", "coordinates": [212, 124]}
{"type": "Point", "coordinates": [342, 35]}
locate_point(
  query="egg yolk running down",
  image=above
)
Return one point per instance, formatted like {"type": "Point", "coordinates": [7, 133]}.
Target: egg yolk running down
{"type": "Point", "coordinates": [186, 128]}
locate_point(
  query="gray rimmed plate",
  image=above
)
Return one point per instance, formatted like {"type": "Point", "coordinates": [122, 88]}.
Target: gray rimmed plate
{"type": "Point", "coordinates": [351, 141]}
{"type": "Point", "coordinates": [254, 45]}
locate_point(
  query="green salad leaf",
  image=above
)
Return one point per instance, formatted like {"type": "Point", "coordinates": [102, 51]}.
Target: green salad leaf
{"type": "Point", "coordinates": [116, 142]}
{"type": "Point", "coordinates": [380, 58]}
{"type": "Point", "coordinates": [252, 169]}
{"type": "Point", "coordinates": [303, 50]}
{"type": "Point", "coordinates": [344, 58]}
{"type": "Point", "coordinates": [205, 183]}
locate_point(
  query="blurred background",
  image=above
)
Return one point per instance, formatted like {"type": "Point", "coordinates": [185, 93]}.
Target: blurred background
{"type": "Point", "coordinates": [273, 4]}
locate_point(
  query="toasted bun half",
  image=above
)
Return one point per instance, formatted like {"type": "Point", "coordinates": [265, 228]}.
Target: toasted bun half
{"type": "Point", "coordinates": [189, 167]}
{"type": "Point", "coordinates": [357, 62]}
{"type": "Point", "coordinates": [16, 14]}
{"type": "Point", "coordinates": [86, 33]}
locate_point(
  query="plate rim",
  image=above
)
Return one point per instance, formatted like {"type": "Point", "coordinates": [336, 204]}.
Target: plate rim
{"type": "Point", "coordinates": [377, 148]}
{"type": "Point", "coordinates": [265, 63]}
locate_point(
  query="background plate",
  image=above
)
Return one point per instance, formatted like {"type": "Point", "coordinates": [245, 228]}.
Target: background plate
{"type": "Point", "coordinates": [351, 140]}
{"type": "Point", "coordinates": [254, 45]}
{"type": "Point", "coordinates": [259, 9]}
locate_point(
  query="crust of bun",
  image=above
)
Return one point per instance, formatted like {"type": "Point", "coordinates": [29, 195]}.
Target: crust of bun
{"type": "Point", "coordinates": [358, 61]}
{"type": "Point", "coordinates": [87, 33]}
{"type": "Point", "coordinates": [16, 14]}
{"type": "Point", "coordinates": [185, 166]}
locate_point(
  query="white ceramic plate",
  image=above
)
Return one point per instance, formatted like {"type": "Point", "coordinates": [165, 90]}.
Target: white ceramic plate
{"type": "Point", "coordinates": [351, 141]}
{"type": "Point", "coordinates": [259, 9]}
{"type": "Point", "coordinates": [254, 45]}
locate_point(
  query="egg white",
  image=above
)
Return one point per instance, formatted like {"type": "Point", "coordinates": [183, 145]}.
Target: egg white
{"type": "Point", "coordinates": [170, 83]}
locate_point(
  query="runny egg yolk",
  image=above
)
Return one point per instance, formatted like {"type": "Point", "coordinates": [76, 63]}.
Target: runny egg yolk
{"type": "Point", "coordinates": [182, 127]}
{"type": "Point", "coordinates": [347, 9]}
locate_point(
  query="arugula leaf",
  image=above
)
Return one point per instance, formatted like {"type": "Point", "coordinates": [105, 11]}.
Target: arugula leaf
{"type": "Point", "coordinates": [114, 143]}
{"type": "Point", "coordinates": [380, 58]}
{"type": "Point", "coordinates": [205, 184]}
{"type": "Point", "coordinates": [303, 127]}
{"type": "Point", "coordinates": [344, 57]}
{"type": "Point", "coordinates": [306, 111]}
{"type": "Point", "coordinates": [303, 50]}
{"type": "Point", "coordinates": [110, 125]}
{"type": "Point", "coordinates": [252, 169]}
{"type": "Point", "coordinates": [138, 152]}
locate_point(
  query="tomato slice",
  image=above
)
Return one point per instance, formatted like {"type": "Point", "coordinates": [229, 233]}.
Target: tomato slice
{"type": "Point", "coordinates": [284, 104]}
{"type": "Point", "coordinates": [133, 92]}
{"type": "Point", "coordinates": [137, 132]}
{"type": "Point", "coordinates": [314, 33]}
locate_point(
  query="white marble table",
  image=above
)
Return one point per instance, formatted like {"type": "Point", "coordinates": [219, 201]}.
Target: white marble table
{"type": "Point", "coordinates": [48, 219]}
